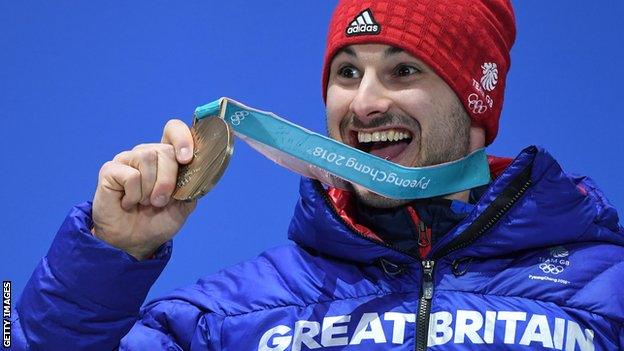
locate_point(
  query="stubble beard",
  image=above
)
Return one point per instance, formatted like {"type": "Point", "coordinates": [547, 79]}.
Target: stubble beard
{"type": "Point", "coordinates": [448, 140]}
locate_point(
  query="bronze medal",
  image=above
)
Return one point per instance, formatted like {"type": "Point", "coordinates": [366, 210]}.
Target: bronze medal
{"type": "Point", "coordinates": [214, 144]}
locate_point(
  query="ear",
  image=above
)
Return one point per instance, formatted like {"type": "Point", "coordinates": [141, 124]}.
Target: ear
{"type": "Point", "coordinates": [477, 137]}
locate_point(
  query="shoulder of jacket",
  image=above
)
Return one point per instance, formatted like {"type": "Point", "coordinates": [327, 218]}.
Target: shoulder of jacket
{"type": "Point", "coordinates": [285, 276]}
{"type": "Point", "coordinates": [599, 280]}
{"type": "Point", "coordinates": [586, 276]}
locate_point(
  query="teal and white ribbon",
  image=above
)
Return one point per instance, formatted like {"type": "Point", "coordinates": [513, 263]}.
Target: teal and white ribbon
{"type": "Point", "coordinates": [332, 162]}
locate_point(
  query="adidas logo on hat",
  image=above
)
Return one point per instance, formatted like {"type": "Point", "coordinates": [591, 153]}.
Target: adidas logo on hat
{"type": "Point", "coordinates": [363, 24]}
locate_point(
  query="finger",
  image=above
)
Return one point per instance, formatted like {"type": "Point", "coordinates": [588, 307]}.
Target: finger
{"type": "Point", "coordinates": [166, 176]}
{"type": "Point", "coordinates": [120, 182]}
{"type": "Point", "coordinates": [145, 160]}
{"type": "Point", "coordinates": [178, 134]}
{"type": "Point", "coordinates": [149, 146]}
{"type": "Point", "coordinates": [166, 173]}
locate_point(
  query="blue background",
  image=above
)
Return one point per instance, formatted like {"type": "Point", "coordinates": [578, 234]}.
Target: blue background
{"type": "Point", "coordinates": [81, 81]}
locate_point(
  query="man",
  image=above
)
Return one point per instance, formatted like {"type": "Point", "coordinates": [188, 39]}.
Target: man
{"type": "Point", "coordinates": [529, 261]}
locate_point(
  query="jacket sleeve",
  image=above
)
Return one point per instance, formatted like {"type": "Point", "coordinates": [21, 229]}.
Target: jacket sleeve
{"type": "Point", "coordinates": [171, 324]}
{"type": "Point", "coordinates": [84, 294]}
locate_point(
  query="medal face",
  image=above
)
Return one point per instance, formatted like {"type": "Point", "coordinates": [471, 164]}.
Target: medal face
{"type": "Point", "coordinates": [214, 144]}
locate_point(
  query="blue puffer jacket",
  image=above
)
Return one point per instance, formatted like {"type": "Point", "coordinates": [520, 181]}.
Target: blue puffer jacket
{"type": "Point", "coordinates": [538, 264]}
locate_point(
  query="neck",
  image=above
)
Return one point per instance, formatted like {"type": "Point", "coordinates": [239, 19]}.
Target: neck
{"type": "Point", "coordinates": [460, 196]}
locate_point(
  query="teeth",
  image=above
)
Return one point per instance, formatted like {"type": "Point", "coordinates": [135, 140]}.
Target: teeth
{"type": "Point", "coordinates": [391, 134]}
{"type": "Point", "coordinates": [386, 135]}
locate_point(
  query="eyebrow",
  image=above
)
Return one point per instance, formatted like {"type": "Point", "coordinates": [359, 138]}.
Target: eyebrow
{"type": "Point", "coordinates": [389, 51]}
{"type": "Point", "coordinates": [346, 50]}
{"type": "Point", "coordinates": [392, 51]}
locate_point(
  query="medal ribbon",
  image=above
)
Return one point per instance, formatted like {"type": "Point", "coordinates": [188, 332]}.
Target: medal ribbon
{"type": "Point", "coordinates": [333, 163]}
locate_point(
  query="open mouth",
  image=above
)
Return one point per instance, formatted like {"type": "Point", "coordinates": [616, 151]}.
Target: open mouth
{"type": "Point", "coordinates": [387, 144]}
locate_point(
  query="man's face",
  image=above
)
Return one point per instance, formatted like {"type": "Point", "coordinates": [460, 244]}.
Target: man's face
{"type": "Point", "coordinates": [386, 102]}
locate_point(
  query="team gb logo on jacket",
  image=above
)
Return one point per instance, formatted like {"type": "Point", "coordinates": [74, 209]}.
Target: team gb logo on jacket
{"type": "Point", "coordinates": [552, 265]}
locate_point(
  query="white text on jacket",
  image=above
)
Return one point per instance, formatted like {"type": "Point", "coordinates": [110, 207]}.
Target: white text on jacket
{"type": "Point", "coordinates": [465, 326]}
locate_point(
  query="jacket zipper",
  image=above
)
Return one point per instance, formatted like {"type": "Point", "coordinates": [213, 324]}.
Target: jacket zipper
{"type": "Point", "coordinates": [424, 239]}
{"type": "Point", "coordinates": [518, 185]}
{"type": "Point", "coordinates": [424, 306]}
{"type": "Point", "coordinates": [469, 236]}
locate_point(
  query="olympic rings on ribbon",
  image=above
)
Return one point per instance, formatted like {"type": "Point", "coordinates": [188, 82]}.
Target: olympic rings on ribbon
{"type": "Point", "coordinates": [238, 116]}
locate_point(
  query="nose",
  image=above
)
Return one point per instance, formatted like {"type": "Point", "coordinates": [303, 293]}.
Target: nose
{"type": "Point", "coordinates": [371, 99]}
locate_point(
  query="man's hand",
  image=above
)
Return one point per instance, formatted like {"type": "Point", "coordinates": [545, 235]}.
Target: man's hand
{"type": "Point", "coordinates": [132, 208]}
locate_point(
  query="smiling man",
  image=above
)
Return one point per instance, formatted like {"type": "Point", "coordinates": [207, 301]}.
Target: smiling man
{"type": "Point", "coordinates": [532, 260]}
{"type": "Point", "coordinates": [384, 101]}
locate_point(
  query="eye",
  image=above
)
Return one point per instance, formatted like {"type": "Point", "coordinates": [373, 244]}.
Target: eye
{"type": "Point", "coordinates": [349, 72]}
{"type": "Point", "coordinates": [405, 70]}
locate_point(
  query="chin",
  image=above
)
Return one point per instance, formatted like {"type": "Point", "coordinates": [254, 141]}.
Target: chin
{"type": "Point", "coordinates": [372, 199]}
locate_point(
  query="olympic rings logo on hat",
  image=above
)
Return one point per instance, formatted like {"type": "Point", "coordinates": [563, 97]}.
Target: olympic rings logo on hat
{"type": "Point", "coordinates": [550, 268]}
{"type": "Point", "coordinates": [238, 116]}
{"type": "Point", "coordinates": [475, 104]}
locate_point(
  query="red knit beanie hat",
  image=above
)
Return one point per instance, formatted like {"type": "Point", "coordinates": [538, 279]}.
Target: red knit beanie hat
{"type": "Point", "coordinates": [466, 42]}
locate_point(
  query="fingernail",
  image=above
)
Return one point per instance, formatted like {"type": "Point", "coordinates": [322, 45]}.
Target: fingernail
{"type": "Point", "coordinates": [185, 153]}
{"type": "Point", "coordinates": [160, 200]}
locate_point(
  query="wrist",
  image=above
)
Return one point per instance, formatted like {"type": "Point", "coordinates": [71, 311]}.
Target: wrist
{"type": "Point", "coordinates": [139, 254]}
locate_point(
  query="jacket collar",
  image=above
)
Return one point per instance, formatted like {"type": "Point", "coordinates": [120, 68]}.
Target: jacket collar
{"type": "Point", "coordinates": [556, 209]}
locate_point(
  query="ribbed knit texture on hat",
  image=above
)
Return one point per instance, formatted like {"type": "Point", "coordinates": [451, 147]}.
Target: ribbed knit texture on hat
{"type": "Point", "coordinates": [466, 42]}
